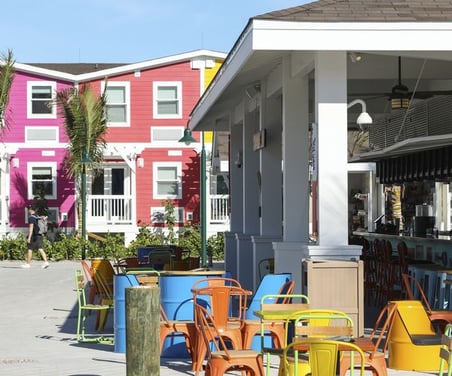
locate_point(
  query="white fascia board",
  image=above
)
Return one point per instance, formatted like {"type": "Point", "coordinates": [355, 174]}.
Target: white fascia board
{"type": "Point", "coordinates": [234, 62]}
{"type": "Point", "coordinates": [44, 72]}
{"type": "Point", "coordinates": [351, 36]}
{"type": "Point", "coordinates": [150, 64]}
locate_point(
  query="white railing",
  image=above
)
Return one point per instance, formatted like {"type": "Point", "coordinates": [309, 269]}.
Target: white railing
{"type": "Point", "coordinates": [219, 208]}
{"type": "Point", "coordinates": [109, 209]}
{"type": "Point", "coordinates": [117, 209]}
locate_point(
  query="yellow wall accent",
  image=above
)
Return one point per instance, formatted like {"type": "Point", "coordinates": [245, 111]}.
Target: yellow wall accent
{"type": "Point", "coordinates": [209, 74]}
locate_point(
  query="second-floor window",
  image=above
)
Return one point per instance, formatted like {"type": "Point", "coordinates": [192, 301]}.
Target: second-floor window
{"type": "Point", "coordinates": [118, 103]}
{"type": "Point", "coordinates": [42, 178]}
{"type": "Point", "coordinates": [167, 180]}
{"type": "Point", "coordinates": [167, 100]}
{"type": "Point", "coordinates": [41, 99]}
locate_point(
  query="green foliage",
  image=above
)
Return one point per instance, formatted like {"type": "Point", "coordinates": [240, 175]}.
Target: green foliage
{"type": "Point", "coordinates": [215, 245]}
{"type": "Point", "coordinates": [13, 248]}
{"type": "Point", "coordinates": [6, 80]}
{"type": "Point", "coordinates": [69, 247]}
{"type": "Point", "coordinates": [65, 248]}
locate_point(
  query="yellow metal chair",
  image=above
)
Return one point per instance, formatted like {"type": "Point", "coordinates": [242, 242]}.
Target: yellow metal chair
{"type": "Point", "coordinates": [105, 298]}
{"type": "Point", "coordinates": [322, 356]}
{"type": "Point", "coordinates": [445, 353]}
{"type": "Point", "coordinates": [83, 308]}
{"type": "Point", "coordinates": [314, 324]}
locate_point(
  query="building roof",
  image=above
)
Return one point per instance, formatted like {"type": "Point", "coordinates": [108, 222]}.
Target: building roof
{"type": "Point", "coordinates": [76, 68]}
{"type": "Point", "coordinates": [366, 11]}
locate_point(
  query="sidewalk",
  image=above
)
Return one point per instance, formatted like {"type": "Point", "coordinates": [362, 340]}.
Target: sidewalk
{"type": "Point", "coordinates": [38, 319]}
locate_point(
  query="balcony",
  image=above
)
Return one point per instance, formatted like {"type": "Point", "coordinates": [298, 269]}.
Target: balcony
{"type": "Point", "coordinates": [219, 209]}
{"type": "Point", "coordinates": [109, 209]}
{"type": "Point", "coordinates": [117, 209]}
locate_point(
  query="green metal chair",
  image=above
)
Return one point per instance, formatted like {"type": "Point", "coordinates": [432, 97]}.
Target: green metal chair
{"type": "Point", "coordinates": [84, 308]}
{"type": "Point", "coordinates": [446, 351]}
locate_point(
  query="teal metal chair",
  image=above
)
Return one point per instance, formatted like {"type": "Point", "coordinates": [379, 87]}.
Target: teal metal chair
{"type": "Point", "coordinates": [84, 308]}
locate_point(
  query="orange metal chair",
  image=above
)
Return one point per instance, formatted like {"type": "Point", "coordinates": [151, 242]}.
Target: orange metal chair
{"type": "Point", "coordinates": [89, 277]}
{"type": "Point", "coordinates": [274, 329]}
{"type": "Point", "coordinates": [228, 319]}
{"type": "Point", "coordinates": [221, 358]}
{"type": "Point", "coordinates": [376, 359]}
{"type": "Point", "coordinates": [439, 318]}
{"type": "Point", "coordinates": [184, 328]}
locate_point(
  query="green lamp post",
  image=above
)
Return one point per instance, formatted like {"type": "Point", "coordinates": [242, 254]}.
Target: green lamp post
{"type": "Point", "coordinates": [85, 160]}
{"type": "Point", "coordinates": [188, 139]}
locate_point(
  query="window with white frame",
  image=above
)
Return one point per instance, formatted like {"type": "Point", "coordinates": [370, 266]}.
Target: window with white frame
{"type": "Point", "coordinates": [158, 214]}
{"type": "Point", "coordinates": [41, 102]}
{"type": "Point", "coordinates": [118, 103]}
{"type": "Point", "coordinates": [52, 215]}
{"type": "Point", "coordinates": [167, 181]}
{"type": "Point", "coordinates": [41, 135]}
{"type": "Point", "coordinates": [42, 180]}
{"type": "Point", "coordinates": [167, 100]}
{"type": "Point", "coordinates": [166, 136]}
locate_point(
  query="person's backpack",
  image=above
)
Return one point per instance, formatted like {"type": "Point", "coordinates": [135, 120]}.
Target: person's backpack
{"type": "Point", "coordinates": [42, 224]}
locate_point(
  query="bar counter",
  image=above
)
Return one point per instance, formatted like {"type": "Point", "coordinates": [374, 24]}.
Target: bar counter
{"type": "Point", "coordinates": [438, 250]}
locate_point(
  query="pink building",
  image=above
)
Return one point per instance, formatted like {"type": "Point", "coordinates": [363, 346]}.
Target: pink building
{"type": "Point", "coordinates": [148, 104]}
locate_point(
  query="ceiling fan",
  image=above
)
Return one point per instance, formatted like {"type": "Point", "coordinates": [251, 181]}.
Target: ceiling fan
{"type": "Point", "coordinates": [400, 95]}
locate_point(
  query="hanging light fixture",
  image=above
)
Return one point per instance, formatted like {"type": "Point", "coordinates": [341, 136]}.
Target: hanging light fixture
{"type": "Point", "coordinates": [400, 97]}
{"type": "Point", "coordinates": [363, 118]}
{"type": "Point", "coordinates": [187, 139]}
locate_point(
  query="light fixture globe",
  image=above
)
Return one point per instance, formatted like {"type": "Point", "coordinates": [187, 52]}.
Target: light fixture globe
{"type": "Point", "coordinates": [364, 119]}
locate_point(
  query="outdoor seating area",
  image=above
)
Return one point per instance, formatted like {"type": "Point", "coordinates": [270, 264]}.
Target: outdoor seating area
{"type": "Point", "coordinates": [210, 320]}
{"type": "Point", "coordinates": [51, 326]}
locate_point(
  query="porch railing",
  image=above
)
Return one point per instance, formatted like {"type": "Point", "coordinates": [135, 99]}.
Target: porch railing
{"type": "Point", "coordinates": [118, 209]}
{"type": "Point", "coordinates": [109, 209]}
{"type": "Point", "coordinates": [219, 208]}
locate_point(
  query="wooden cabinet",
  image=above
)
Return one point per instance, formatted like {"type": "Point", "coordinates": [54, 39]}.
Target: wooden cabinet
{"type": "Point", "coordinates": [336, 284]}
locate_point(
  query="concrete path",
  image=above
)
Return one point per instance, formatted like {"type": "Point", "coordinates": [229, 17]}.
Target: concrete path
{"type": "Point", "coordinates": [38, 320]}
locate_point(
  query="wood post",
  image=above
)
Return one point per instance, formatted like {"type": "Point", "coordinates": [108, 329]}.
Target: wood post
{"type": "Point", "coordinates": [143, 330]}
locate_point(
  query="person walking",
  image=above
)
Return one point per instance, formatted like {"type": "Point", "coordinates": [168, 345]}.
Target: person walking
{"type": "Point", "coordinates": [34, 239]}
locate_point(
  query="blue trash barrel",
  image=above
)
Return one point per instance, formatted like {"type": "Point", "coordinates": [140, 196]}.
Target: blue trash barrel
{"type": "Point", "coordinates": [120, 283]}
{"type": "Point", "coordinates": [177, 301]}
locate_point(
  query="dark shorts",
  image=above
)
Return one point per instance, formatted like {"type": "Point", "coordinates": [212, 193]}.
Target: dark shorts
{"type": "Point", "coordinates": [36, 242]}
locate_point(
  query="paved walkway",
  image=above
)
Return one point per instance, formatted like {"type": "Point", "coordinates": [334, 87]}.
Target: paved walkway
{"type": "Point", "coordinates": [38, 318]}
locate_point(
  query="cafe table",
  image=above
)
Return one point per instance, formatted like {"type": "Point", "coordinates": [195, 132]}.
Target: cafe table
{"type": "Point", "coordinates": [276, 312]}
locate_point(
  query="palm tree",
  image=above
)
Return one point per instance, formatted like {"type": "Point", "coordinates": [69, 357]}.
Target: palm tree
{"type": "Point", "coordinates": [6, 79]}
{"type": "Point", "coordinates": [85, 121]}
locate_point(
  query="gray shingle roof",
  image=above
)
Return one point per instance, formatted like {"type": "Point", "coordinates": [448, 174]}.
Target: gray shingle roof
{"type": "Point", "coordinates": [366, 11]}
{"type": "Point", "coordinates": [76, 68]}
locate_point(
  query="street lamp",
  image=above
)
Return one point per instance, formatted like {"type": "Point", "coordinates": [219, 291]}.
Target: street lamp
{"type": "Point", "coordinates": [188, 139]}
{"type": "Point", "coordinates": [85, 160]}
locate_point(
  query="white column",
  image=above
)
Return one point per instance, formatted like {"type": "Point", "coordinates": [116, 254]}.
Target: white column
{"type": "Point", "coordinates": [250, 167]}
{"type": "Point", "coordinates": [271, 169]}
{"type": "Point", "coordinates": [331, 112]}
{"type": "Point", "coordinates": [236, 179]}
{"type": "Point", "coordinates": [295, 154]}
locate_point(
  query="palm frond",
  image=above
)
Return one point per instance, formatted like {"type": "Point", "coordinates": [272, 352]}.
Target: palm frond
{"type": "Point", "coordinates": [85, 126]}
{"type": "Point", "coordinates": [6, 80]}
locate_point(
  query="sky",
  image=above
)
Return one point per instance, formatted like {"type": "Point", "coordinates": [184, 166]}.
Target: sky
{"type": "Point", "coordinates": [124, 31]}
